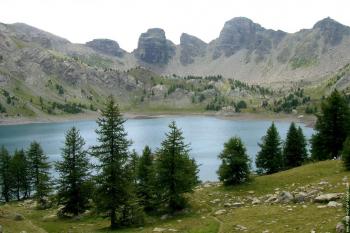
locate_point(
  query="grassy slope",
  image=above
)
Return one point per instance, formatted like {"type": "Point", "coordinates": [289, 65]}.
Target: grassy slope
{"type": "Point", "coordinates": [275, 218]}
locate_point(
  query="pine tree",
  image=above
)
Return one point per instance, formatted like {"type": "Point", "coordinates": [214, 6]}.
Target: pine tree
{"type": "Point", "coordinates": [39, 167]}
{"type": "Point", "coordinates": [5, 175]}
{"type": "Point", "coordinates": [332, 127]}
{"type": "Point", "coordinates": [269, 158]}
{"type": "Point", "coordinates": [294, 151]}
{"type": "Point", "coordinates": [20, 173]}
{"type": "Point", "coordinates": [146, 180]}
{"type": "Point", "coordinates": [74, 172]}
{"type": "Point", "coordinates": [176, 171]}
{"type": "Point", "coordinates": [346, 154]}
{"type": "Point", "coordinates": [114, 180]}
{"type": "Point", "coordinates": [235, 165]}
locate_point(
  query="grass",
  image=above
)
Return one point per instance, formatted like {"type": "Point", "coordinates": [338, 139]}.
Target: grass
{"type": "Point", "coordinates": [275, 218]}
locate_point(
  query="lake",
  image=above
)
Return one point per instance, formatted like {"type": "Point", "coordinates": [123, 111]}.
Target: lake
{"type": "Point", "coordinates": [206, 136]}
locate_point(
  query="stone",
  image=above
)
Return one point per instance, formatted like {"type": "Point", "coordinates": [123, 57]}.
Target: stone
{"type": "Point", "coordinates": [333, 204]}
{"type": "Point", "coordinates": [172, 230]}
{"type": "Point", "coordinates": [237, 204]}
{"type": "Point", "coordinates": [1, 229]}
{"type": "Point", "coordinates": [300, 197]}
{"type": "Point", "coordinates": [251, 192]}
{"type": "Point", "coordinates": [256, 201]}
{"type": "Point", "coordinates": [323, 182]}
{"type": "Point", "coordinates": [220, 212]}
{"type": "Point", "coordinates": [18, 217]}
{"type": "Point", "coordinates": [215, 201]}
{"type": "Point", "coordinates": [340, 228]}
{"type": "Point", "coordinates": [49, 217]}
{"type": "Point", "coordinates": [164, 217]}
{"type": "Point", "coordinates": [321, 206]}
{"type": "Point", "coordinates": [285, 197]}
{"type": "Point", "coordinates": [272, 199]}
{"type": "Point", "coordinates": [241, 228]}
{"type": "Point", "coordinates": [23, 232]}
{"type": "Point", "coordinates": [227, 204]}
{"type": "Point", "coordinates": [158, 229]}
{"type": "Point", "coordinates": [328, 197]}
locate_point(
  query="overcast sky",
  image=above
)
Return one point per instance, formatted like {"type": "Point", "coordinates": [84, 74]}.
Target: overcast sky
{"type": "Point", "coordinates": [124, 20]}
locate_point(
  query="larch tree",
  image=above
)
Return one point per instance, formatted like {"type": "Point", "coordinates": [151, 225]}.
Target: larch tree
{"type": "Point", "coordinates": [235, 163]}
{"type": "Point", "coordinates": [176, 171]}
{"type": "Point", "coordinates": [74, 173]}
{"type": "Point", "coordinates": [269, 159]}
{"type": "Point", "coordinates": [114, 180]}
{"type": "Point", "coordinates": [6, 179]}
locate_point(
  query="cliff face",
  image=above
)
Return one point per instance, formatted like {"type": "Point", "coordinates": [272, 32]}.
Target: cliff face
{"type": "Point", "coordinates": [244, 50]}
{"type": "Point", "coordinates": [154, 48]}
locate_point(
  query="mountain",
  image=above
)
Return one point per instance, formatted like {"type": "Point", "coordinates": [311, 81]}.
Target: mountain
{"type": "Point", "coordinates": [41, 72]}
{"type": "Point", "coordinates": [244, 50]}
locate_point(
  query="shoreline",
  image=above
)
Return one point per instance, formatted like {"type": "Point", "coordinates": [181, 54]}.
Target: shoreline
{"type": "Point", "coordinates": [308, 120]}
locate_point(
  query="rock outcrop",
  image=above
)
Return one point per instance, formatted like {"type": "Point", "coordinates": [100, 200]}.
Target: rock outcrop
{"type": "Point", "coordinates": [154, 48]}
{"type": "Point", "coordinates": [106, 46]}
{"type": "Point", "coordinates": [242, 33]}
{"type": "Point", "coordinates": [191, 47]}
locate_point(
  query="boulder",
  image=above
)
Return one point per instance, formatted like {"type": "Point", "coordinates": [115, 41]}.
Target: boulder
{"type": "Point", "coordinates": [285, 197]}
{"type": "Point", "coordinates": [241, 228]}
{"type": "Point", "coordinates": [300, 197]}
{"type": "Point", "coordinates": [215, 201]}
{"type": "Point", "coordinates": [227, 204]}
{"type": "Point", "coordinates": [158, 229]}
{"type": "Point", "coordinates": [328, 197]}
{"type": "Point", "coordinates": [271, 199]}
{"type": "Point", "coordinates": [18, 217]}
{"type": "Point", "coordinates": [340, 228]}
{"type": "Point", "coordinates": [333, 204]}
{"type": "Point", "coordinates": [237, 204]}
{"type": "Point", "coordinates": [220, 212]}
{"type": "Point", "coordinates": [256, 201]}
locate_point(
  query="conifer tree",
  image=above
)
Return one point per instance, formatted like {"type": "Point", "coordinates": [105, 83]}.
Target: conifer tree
{"type": "Point", "coordinates": [235, 164]}
{"type": "Point", "coordinates": [346, 154]}
{"type": "Point", "coordinates": [332, 127]}
{"type": "Point", "coordinates": [20, 173]}
{"type": "Point", "coordinates": [5, 175]}
{"type": "Point", "coordinates": [146, 180]}
{"type": "Point", "coordinates": [294, 151]}
{"type": "Point", "coordinates": [176, 171]}
{"type": "Point", "coordinates": [39, 167]}
{"type": "Point", "coordinates": [114, 182]}
{"type": "Point", "coordinates": [269, 158]}
{"type": "Point", "coordinates": [74, 172]}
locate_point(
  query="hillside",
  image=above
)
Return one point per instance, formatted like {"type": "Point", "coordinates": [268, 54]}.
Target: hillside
{"type": "Point", "coordinates": [44, 76]}
{"type": "Point", "coordinates": [263, 205]}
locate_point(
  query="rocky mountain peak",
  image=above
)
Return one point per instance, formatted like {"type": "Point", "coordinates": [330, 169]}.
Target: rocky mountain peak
{"type": "Point", "coordinates": [331, 30]}
{"type": "Point", "coordinates": [106, 46]}
{"type": "Point", "coordinates": [242, 33]}
{"type": "Point", "coordinates": [191, 47]}
{"type": "Point", "coordinates": [154, 48]}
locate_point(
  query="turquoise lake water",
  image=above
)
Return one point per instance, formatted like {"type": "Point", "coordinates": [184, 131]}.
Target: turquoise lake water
{"type": "Point", "coordinates": [206, 136]}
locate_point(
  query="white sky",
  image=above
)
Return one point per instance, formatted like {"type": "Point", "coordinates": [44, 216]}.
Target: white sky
{"type": "Point", "coordinates": [124, 20]}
